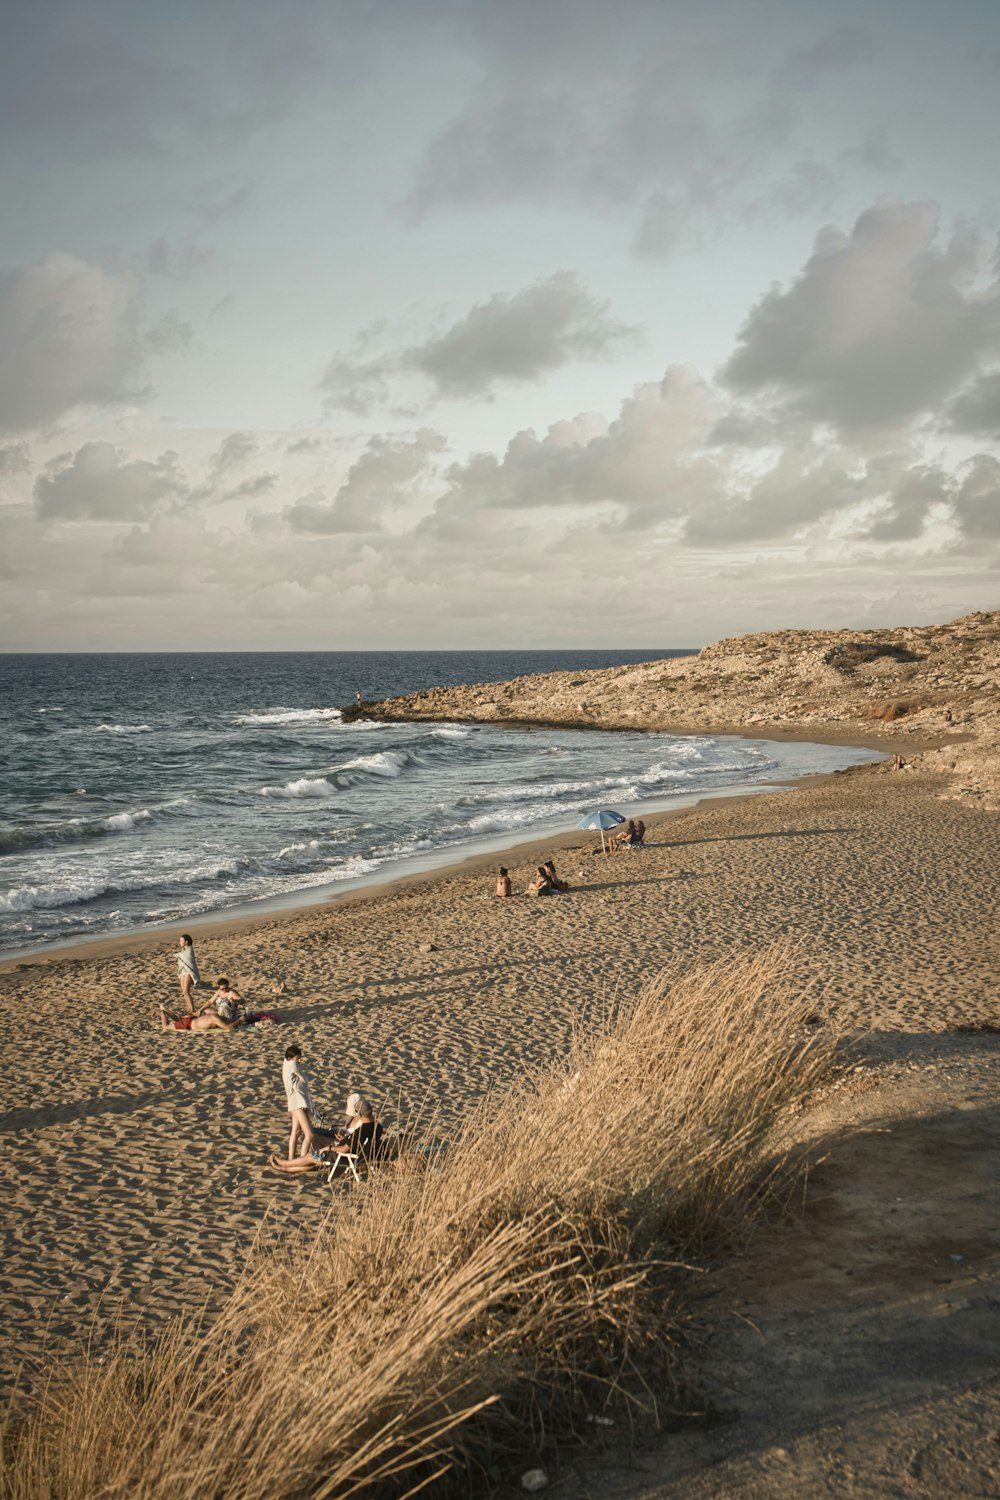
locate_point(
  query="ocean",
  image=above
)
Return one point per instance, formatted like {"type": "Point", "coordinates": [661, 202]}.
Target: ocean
{"type": "Point", "coordinates": [143, 789]}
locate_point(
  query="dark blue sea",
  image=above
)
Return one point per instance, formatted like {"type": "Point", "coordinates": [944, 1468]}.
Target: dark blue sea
{"type": "Point", "coordinates": [140, 789]}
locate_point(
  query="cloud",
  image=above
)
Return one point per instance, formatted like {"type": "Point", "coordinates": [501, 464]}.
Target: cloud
{"type": "Point", "coordinates": [646, 465]}
{"type": "Point", "coordinates": [99, 483]}
{"type": "Point", "coordinates": [977, 502]}
{"type": "Point", "coordinates": [170, 335]}
{"type": "Point", "coordinates": [176, 259]}
{"type": "Point", "coordinates": [520, 338]}
{"type": "Point", "coordinates": [880, 326]}
{"type": "Point", "coordinates": [14, 459]}
{"type": "Point", "coordinates": [255, 484]}
{"type": "Point", "coordinates": [909, 499]}
{"type": "Point", "coordinates": [648, 113]}
{"type": "Point", "coordinates": [386, 476]}
{"type": "Point", "coordinates": [509, 339]}
{"type": "Point", "coordinates": [310, 443]}
{"type": "Point", "coordinates": [68, 335]}
{"type": "Point", "coordinates": [801, 487]}
{"type": "Point", "coordinates": [107, 83]}
{"type": "Point", "coordinates": [976, 410]}
{"type": "Point", "coordinates": [356, 386]}
{"type": "Point", "coordinates": [233, 452]}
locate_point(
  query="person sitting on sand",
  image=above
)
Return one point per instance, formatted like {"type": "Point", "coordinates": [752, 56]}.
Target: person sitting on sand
{"type": "Point", "coordinates": [503, 882]}
{"type": "Point", "coordinates": [202, 1020]}
{"type": "Point", "coordinates": [226, 1001]}
{"type": "Point", "coordinates": [363, 1139]}
{"type": "Point", "coordinates": [541, 885]}
{"type": "Point", "coordinates": [640, 835]}
{"type": "Point", "coordinates": [557, 884]}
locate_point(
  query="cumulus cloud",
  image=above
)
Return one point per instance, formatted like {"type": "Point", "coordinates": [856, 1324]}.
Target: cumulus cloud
{"type": "Point", "coordinates": [68, 335]}
{"type": "Point", "coordinates": [521, 337]}
{"type": "Point", "coordinates": [909, 498]}
{"type": "Point", "coordinates": [647, 464]}
{"type": "Point", "coordinates": [100, 483]}
{"type": "Point", "coordinates": [800, 488]}
{"type": "Point", "coordinates": [253, 485]}
{"type": "Point", "coordinates": [881, 325]}
{"type": "Point", "coordinates": [356, 386]}
{"type": "Point", "coordinates": [977, 501]}
{"type": "Point", "coordinates": [232, 452]}
{"type": "Point", "coordinates": [14, 458]}
{"type": "Point", "coordinates": [976, 410]}
{"type": "Point", "coordinates": [386, 476]}
{"type": "Point", "coordinates": [507, 340]}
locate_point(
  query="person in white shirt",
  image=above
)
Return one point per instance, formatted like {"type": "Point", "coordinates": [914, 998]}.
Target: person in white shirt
{"type": "Point", "coordinates": [300, 1102]}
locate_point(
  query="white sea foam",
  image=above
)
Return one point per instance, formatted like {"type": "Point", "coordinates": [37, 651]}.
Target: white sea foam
{"type": "Point", "coordinates": [124, 729]}
{"type": "Point", "coordinates": [121, 822]}
{"type": "Point", "coordinates": [273, 717]}
{"type": "Point", "coordinates": [450, 732]}
{"type": "Point", "coordinates": [291, 849]}
{"type": "Point", "coordinates": [381, 763]}
{"type": "Point", "coordinates": [35, 897]}
{"type": "Point", "coordinates": [305, 786]}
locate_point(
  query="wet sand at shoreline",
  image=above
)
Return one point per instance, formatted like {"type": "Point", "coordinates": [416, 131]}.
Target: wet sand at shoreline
{"type": "Point", "coordinates": [133, 1161]}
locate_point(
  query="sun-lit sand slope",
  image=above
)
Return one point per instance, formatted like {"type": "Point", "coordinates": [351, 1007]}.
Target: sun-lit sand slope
{"type": "Point", "coordinates": [133, 1161]}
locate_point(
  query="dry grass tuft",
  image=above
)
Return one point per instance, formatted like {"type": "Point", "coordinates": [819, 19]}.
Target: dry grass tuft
{"type": "Point", "coordinates": [443, 1320]}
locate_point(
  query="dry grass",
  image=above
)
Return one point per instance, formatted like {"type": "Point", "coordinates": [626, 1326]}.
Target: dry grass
{"type": "Point", "coordinates": [446, 1319]}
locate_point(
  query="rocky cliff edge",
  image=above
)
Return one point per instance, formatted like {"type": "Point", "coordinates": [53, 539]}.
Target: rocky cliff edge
{"type": "Point", "coordinates": [931, 690]}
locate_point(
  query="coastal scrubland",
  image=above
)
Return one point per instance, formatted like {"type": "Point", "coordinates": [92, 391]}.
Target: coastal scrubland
{"type": "Point", "coordinates": [467, 1307]}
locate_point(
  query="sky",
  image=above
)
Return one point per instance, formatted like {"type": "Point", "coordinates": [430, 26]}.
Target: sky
{"type": "Point", "coordinates": [427, 324]}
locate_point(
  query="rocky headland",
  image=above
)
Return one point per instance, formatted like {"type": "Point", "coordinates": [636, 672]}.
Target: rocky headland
{"type": "Point", "coordinates": [932, 689]}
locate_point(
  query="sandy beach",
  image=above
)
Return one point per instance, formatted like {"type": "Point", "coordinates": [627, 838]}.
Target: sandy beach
{"type": "Point", "coordinates": [133, 1165]}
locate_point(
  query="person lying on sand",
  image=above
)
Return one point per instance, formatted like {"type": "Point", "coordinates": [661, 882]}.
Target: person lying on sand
{"type": "Point", "coordinates": [204, 1020]}
{"type": "Point", "coordinates": [550, 870]}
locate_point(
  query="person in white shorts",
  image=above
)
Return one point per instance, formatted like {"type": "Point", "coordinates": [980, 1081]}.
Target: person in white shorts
{"type": "Point", "coordinates": [300, 1102]}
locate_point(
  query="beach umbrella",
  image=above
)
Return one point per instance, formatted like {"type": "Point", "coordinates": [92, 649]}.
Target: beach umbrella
{"type": "Point", "coordinates": [601, 817]}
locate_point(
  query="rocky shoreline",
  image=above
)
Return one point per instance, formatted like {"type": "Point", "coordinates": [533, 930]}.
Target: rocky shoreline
{"type": "Point", "coordinates": [933, 687]}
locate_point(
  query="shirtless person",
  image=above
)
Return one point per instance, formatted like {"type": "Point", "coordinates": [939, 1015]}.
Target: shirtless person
{"type": "Point", "coordinates": [204, 1020]}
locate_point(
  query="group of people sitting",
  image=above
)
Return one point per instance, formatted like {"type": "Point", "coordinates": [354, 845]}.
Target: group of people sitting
{"type": "Point", "coordinates": [221, 1012]}
{"type": "Point", "coordinates": [224, 1010]}
{"type": "Point", "coordinates": [545, 882]}
{"type": "Point", "coordinates": [632, 836]}
{"type": "Point", "coordinates": [311, 1147]}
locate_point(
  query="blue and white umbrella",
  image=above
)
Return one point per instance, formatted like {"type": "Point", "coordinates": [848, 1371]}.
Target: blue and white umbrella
{"type": "Point", "coordinates": [602, 818]}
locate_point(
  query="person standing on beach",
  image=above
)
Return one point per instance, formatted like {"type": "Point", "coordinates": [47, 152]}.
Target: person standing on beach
{"type": "Point", "coordinates": [187, 970]}
{"type": "Point", "coordinates": [300, 1103]}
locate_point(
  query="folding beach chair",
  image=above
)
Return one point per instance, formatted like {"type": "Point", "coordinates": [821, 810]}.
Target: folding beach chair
{"type": "Point", "coordinates": [350, 1160]}
{"type": "Point", "coordinates": [370, 1150]}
